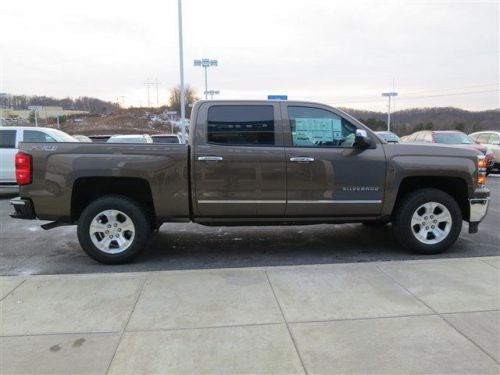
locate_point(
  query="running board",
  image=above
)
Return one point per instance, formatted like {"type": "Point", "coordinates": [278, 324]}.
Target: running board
{"type": "Point", "coordinates": [53, 225]}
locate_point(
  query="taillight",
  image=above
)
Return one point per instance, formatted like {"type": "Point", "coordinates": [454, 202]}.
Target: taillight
{"type": "Point", "coordinates": [23, 168]}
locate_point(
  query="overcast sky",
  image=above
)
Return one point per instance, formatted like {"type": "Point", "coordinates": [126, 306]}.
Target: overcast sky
{"type": "Point", "coordinates": [343, 53]}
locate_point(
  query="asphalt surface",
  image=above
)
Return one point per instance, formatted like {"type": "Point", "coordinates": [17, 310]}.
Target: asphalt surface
{"type": "Point", "coordinates": [27, 249]}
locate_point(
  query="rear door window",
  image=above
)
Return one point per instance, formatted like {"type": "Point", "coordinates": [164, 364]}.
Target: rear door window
{"type": "Point", "coordinates": [494, 139]}
{"type": "Point", "coordinates": [251, 125]}
{"type": "Point", "coordinates": [483, 138]}
{"type": "Point", "coordinates": [7, 138]}
{"type": "Point", "coordinates": [419, 137]}
{"type": "Point", "coordinates": [36, 136]}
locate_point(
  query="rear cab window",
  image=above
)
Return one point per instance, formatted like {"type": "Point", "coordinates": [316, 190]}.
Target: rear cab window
{"type": "Point", "coordinates": [8, 138]}
{"type": "Point", "coordinates": [242, 125]}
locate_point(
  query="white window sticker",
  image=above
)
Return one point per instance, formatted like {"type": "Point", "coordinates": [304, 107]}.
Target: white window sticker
{"type": "Point", "coordinates": [313, 131]}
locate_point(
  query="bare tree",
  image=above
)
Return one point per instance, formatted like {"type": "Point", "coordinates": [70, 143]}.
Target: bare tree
{"type": "Point", "coordinates": [174, 101]}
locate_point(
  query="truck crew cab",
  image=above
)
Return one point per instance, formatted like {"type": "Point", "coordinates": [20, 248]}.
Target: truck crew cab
{"type": "Point", "coordinates": [253, 163]}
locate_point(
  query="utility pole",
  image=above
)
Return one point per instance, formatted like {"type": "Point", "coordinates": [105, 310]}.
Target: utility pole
{"type": "Point", "coordinates": [148, 84]}
{"type": "Point", "coordinates": [181, 69]}
{"type": "Point", "coordinates": [205, 64]}
{"type": "Point", "coordinates": [157, 84]}
{"type": "Point", "coordinates": [212, 93]}
{"type": "Point", "coordinates": [389, 95]}
{"type": "Point", "coordinates": [122, 99]}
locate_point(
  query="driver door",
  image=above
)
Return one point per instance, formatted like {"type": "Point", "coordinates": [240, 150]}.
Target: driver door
{"type": "Point", "coordinates": [326, 175]}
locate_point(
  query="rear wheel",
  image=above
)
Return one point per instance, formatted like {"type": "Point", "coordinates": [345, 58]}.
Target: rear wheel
{"type": "Point", "coordinates": [113, 229]}
{"type": "Point", "coordinates": [427, 221]}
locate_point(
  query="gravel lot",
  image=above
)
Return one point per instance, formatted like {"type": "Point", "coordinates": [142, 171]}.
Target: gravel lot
{"type": "Point", "coordinates": [27, 249]}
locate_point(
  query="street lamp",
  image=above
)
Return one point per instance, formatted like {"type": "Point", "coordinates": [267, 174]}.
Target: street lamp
{"type": "Point", "coordinates": [181, 69]}
{"type": "Point", "coordinates": [205, 63]}
{"type": "Point", "coordinates": [212, 93]}
{"type": "Point", "coordinates": [389, 95]}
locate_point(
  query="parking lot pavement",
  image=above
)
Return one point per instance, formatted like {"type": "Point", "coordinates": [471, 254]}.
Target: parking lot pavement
{"type": "Point", "coordinates": [27, 249]}
{"type": "Point", "coordinates": [411, 317]}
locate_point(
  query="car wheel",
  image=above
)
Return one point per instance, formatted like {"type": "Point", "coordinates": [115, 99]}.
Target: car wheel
{"type": "Point", "coordinates": [113, 229]}
{"type": "Point", "coordinates": [427, 221]}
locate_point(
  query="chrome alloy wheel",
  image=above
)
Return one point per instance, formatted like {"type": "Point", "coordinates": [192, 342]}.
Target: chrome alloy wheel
{"type": "Point", "coordinates": [112, 231]}
{"type": "Point", "coordinates": [431, 223]}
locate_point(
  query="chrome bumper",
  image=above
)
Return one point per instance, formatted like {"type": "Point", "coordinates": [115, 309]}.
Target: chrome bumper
{"type": "Point", "coordinates": [478, 210]}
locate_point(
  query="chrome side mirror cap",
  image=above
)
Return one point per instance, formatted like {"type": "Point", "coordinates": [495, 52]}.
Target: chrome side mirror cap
{"type": "Point", "coordinates": [362, 140]}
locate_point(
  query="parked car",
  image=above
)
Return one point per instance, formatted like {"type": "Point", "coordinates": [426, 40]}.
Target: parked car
{"type": "Point", "coordinates": [490, 139]}
{"type": "Point", "coordinates": [253, 163]}
{"type": "Point", "coordinates": [454, 138]}
{"type": "Point", "coordinates": [130, 138]}
{"type": "Point", "coordinates": [99, 138]}
{"type": "Point", "coordinates": [404, 138]}
{"type": "Point", "coordinates": [389, 137]}
{"type": "Point", "coordinates": [10, 136]}
{"type": "Point", "coordinates": [82, 138]}
{"type": "Point", "coordinates": [166, 138]}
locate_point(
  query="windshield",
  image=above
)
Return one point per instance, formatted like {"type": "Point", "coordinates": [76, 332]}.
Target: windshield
{"type": "Point", "coordinates": [453, 138]}
{"type": "Point", "coordinates": [166, 139]}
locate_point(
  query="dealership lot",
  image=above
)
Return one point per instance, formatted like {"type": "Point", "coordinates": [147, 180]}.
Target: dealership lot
{"type": "Point", "coordinates": [27, 249]}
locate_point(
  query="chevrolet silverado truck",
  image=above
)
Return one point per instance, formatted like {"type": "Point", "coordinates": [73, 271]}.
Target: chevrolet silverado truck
{"type": "Point", "coordinates": [252, 163]}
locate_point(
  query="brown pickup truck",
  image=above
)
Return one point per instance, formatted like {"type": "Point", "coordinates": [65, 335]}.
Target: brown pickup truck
{"type": "Point", "coordinates": [252, 163]}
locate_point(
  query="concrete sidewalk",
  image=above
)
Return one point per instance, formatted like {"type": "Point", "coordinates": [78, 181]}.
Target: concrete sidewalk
{"type": "Point", "coordinates": [428, 316]}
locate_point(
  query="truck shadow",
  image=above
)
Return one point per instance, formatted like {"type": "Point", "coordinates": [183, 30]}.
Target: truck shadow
{"type": "Point", "coordinates": [196, 247]}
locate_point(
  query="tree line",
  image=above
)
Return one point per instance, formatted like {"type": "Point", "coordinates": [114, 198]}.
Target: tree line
{"type": "Point", "coordinates": [84, 103]}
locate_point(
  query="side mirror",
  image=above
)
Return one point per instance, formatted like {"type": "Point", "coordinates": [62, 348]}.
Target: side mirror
{"type": "Point", "coordinates": [362, 140]}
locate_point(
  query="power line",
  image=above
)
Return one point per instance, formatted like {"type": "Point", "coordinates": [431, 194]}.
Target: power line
{"type": "Point", "coordinates": [404, 96]}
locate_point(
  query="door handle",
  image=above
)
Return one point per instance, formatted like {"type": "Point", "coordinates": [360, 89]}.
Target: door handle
{"type": "Point", "coordinates": [210, 158]}
{"type": "Point", "coordinates": [302, 159]}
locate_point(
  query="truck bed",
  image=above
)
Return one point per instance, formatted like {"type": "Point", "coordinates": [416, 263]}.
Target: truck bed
{"type": "Point", "coordinates": [60, 168]}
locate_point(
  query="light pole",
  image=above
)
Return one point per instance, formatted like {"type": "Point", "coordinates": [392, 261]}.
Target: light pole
{"type": "Point", "coordinates": [205, 63]}
{"type": "Point", "coordinates": [389, 95]}
{"type": "Point", "coordinates": [181, 66]}
{"type": "Point", "coordinates": [212, 93]}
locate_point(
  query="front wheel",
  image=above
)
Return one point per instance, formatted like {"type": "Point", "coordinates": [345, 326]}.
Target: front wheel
{"type": "Point", "coordinates": [113, 229]}
{"type": "Point", "coordinates": [427, 221]}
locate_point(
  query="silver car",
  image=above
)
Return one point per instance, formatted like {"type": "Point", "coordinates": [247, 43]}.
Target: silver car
{"type": "Point", "coordinates": [491, 139]}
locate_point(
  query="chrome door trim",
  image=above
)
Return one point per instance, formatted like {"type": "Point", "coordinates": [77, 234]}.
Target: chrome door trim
{"type": "Point", "coordinates": [242, 201]}
{"type": "Point", "coordinates": [337, 201]}
{"type": "Point", "coordinates": [210, 158]}
{"type": "Point", "coordinates": [302, 159]}
{"type": "Point", "coordinates": [292, 201]}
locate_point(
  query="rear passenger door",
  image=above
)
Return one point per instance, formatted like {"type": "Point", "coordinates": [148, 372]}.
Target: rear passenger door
{"type": "Point", "coordinates": [8, 150]}
{"type": "Point", "coordinates": [239, 160]}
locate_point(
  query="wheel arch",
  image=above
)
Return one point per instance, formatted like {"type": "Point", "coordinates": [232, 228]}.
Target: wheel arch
{"type": "Point", "coordinates": [456, 187]}
{"type": "Point", "coordinates": [87, 189]}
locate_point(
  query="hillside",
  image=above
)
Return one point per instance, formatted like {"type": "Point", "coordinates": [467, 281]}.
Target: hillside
{"type": "Point", "coordinates": [440, 118]}
{"type": "Point", "coordinates": [109, 118]}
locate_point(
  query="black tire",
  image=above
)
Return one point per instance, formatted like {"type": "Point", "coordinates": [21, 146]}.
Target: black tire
{"type": "Point", "coordinates": [133, 210]}
{"type": "Point", "coordinates": [407, 207]}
